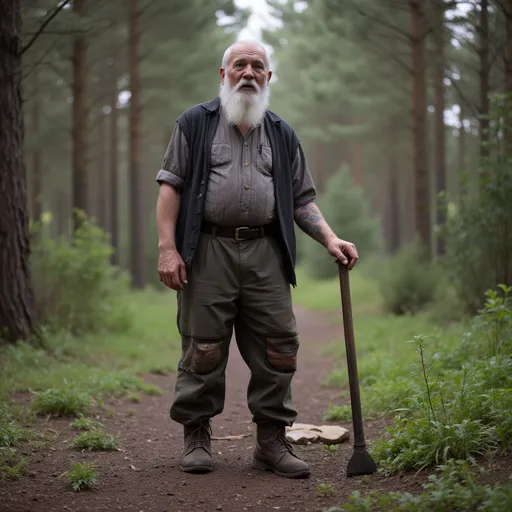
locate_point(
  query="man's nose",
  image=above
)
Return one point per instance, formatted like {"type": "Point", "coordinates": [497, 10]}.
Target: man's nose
{"type": "Point", "coordinates": [248, 72]}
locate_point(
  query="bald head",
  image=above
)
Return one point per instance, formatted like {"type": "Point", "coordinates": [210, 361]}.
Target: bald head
{"type": "Point", "coordinates": [245, 46]}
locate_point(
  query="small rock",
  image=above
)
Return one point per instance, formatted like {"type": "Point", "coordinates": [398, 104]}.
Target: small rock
{"type": "Point", "coordinates": [301, 436]}
{"type": "Point", "coordinates": [219, 507]}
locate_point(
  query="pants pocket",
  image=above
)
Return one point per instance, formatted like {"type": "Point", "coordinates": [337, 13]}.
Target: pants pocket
{"type": "Point", "coordinates": [282, 353]}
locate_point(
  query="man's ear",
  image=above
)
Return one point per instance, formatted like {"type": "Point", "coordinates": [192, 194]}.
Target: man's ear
{"type": "Point", "coordinates": [222, 73]}
{"type": "Point", "coordinates": [269, 76]}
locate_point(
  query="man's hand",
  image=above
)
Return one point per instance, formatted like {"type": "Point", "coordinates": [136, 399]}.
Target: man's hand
{"type": "Point", "coordinates": [343, 251]}
{"type": "Point", "coordinates": [172, 269]}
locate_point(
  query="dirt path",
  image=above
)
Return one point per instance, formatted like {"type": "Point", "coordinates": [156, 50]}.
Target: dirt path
{"type": "Point", "coordinates": [145, 475]}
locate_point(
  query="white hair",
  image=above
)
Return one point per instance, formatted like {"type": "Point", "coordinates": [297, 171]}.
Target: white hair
{"type": "Point", "coordinates": [227, 53]}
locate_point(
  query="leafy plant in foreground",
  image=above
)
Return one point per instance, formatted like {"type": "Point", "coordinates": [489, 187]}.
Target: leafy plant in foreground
{"type": "Point", "coordinates": [83, 475]}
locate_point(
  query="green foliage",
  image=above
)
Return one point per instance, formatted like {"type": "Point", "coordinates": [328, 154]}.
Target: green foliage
{"type": "Point", "coordinates": [325, 490]}
{"type": "Point", "coordinates": [75, 286]}
{"type": "Point", "coordinates": [85, 424]}
{"type": "Point", "coordinates": [66, 401]}
{"type": "Point", "coordinates": [82, 475]}
{"type": "Point", "coordinates": [479, 233]}
{"type": "Point", "coordinates": [95, 440]}
{"type": "Point", "coordinates": [454, 487]}
{"type": "Point", "coordinates": [465, 408]}
{"type": "Point", "coordinates": [408, 281]}
{"type": "Point", "coordinates": [12, 467]}
{"type": "Point", "coordinates": [345, 208]}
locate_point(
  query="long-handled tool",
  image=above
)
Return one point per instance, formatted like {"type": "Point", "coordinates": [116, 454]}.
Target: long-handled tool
{"type": "Point", "coordinates": [361, 462]}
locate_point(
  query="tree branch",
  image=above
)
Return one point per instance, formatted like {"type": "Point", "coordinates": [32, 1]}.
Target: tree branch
{"type": "Point", "coordinates": [44, 25]}
{"type": "Point", "coordinates": [396, 29]}
{"type": "Point", "coordinates": [461, 96]}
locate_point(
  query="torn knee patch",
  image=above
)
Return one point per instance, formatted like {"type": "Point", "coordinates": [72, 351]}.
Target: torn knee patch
{"type": "Point", "coordinates": [282, 353]}
{"type": "Point", "coordinates": [206, 355]}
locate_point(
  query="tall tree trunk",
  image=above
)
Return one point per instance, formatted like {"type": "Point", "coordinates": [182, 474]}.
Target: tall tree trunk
{"type": "Point", "coordinates": [461, 187]}
{"type": "Point", "coordinates": [16, 293]}
{"type": "Point", "coordinates": [394, 198]}
{"type": "Point", "coordinates": [484, 78]}
{"type": "Point", "coordinates": [137, 207]}
{"type": "Point", "coordinates": [80, 121]}
{"type": "Point", "coordinates": [113, 203]}
{"type": "Point", "coordinates": [102, 180]}
{"type": "Point", "coordinates": [37, 180]}
{"type": "Point", "coordinates": [419, 107]}
{"type": "Point", "coordinates": [508, 77]}
{"type": "Point", "coordinates": [439, 103]}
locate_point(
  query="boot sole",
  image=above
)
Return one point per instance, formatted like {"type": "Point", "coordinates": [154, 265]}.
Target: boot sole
{"type": "Point", "coordinates": [262, 466]}
{"type": "Point", "coordinates": [197, 469]}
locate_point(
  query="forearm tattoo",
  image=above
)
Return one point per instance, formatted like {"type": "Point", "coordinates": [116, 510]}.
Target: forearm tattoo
{"type": "Point", "coordinates": [311, 221]}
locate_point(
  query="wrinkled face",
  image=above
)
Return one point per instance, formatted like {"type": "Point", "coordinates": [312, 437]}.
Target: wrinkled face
{"type": "Point", "coordinates": [247, 68]}
{"type": "Point", "coordinates": [244, 92]}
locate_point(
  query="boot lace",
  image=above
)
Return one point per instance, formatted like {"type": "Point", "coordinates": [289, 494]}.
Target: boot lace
{"type": "Point", "coordinates": [279, 440]}
{"type": "Point", "coordinates": [200, 436]}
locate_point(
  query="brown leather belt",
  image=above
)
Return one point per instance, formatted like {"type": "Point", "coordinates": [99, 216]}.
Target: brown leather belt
{"type": "Point", "coordinates": [239, 233]}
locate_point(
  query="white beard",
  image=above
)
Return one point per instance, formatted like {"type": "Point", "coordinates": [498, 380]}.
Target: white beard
{"type": "Point", "coordinates": [244, 108]}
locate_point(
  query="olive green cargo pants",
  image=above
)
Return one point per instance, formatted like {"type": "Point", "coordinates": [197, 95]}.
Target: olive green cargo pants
{"type": "Point", "coordinates": [242, 286]}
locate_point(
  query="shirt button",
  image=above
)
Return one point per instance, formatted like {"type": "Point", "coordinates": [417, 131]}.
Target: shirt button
{"type": "Point", "coordinates": [201, 195]}
{"type": "Point", "coordinates": [246, 164]}
{"type": "Point", "coordinates": [198, 212]}
{"type": "Point", "coordinates": [202, 182]}
{"type": "Point", "coordinates": [246, 187]}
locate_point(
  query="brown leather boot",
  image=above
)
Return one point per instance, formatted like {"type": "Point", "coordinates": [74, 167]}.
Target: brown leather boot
{"type": "Point", "coordinates": [197, 452]}
{"type": "Point", "coordinates": [274, 453]}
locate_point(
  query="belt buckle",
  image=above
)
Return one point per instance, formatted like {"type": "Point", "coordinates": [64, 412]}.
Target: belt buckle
{"type": "Point", "coordinates": [237, 232]}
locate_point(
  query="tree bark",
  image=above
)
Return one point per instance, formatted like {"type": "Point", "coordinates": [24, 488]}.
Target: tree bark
{"type": "Point", "coordinates": [394, 200]}
{"type": "Point", "coordinates": [37, 181]}
{"type": "Point", "coordinates": [508, 78]}
{"type": "Point", "coordinates": [102, 173]}
{"type": "Point", "coordinates": [80, 121]}
{"type": "Point", "coordinates": [16, 293]}
{"type": "Point", "coordinates": [113, 203]}
{"type": "Point", "coordinates": [484, 78]}
{"type": "Point", "coordinates": [137, 209]}
{"type": "Point", "coordinates": [439, 104]}
{"type": "Point", "coordinates": [419, 107]}
{"type": "Point", "coordinates": [461, 187]}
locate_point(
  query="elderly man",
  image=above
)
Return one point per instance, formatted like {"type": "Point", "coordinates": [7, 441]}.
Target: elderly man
{"type": "Point", "coordinates": [233, 182]}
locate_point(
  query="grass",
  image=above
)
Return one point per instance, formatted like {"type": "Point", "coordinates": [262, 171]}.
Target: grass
{"type": "Point", "coordinates": [103, 364]}
{"type": "Point", "coordinates": [96, 440]}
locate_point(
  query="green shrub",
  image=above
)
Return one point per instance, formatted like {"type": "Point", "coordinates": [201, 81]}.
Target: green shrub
{"type": "Point", "coordinates": [345, 208]}
{"type": "Point", "coordinates": [479, 232]}
{"type": "Point", "coordinates": [408, 281]}
{"type": "Point", "coordinates": [66, 401]}
{"type": "Point", "coordinates": [75, 286]}
{"type": "Point", "coordinates": [82, 475]}
{"type": "Point", "coordinates": [454, 487]}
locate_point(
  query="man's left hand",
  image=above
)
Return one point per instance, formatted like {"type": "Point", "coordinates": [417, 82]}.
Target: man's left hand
{"type": "Point", "coordinates": [343, 251]}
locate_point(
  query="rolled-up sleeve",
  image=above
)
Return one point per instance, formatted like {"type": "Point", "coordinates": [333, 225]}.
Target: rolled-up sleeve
{"type": "Point", "coordinates": [175, 161]}
{"type": "Point", "coordinates": [304, 190]}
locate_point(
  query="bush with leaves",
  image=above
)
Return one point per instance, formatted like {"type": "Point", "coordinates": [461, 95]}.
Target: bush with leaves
{"type": "Point", "coordinates": [346, 210]}
{"type": "Point", "coordinates": [408, 280]}
{"type": "Point", "coordinates": [479, 232]}
{"type": "Point", "coordinates": [76, 288]}
{"type": "Point", "coordinates": [465, 408]}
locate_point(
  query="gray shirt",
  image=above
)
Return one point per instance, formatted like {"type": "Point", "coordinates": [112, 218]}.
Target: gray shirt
{"type": "Point", "coordinates": [240, 188]}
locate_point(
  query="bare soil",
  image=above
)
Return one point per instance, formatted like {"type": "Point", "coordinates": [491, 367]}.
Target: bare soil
{"type": "Point", "coordinates": [145, 476]}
